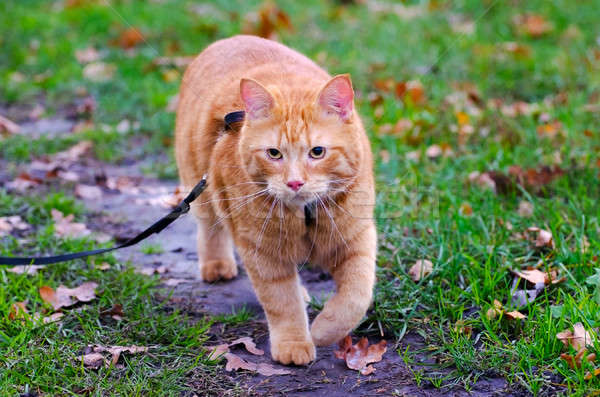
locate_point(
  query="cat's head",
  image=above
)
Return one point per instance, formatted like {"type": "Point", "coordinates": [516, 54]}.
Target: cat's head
{"type": "Point", "coordinates": [304, 143]}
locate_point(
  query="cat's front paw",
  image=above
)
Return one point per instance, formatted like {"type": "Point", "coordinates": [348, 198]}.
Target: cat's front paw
{"type": "Point", "coordinates": [327, 329]}
{"type": "Point", "coordinates": [214, 270]}
{"type": "Point", "coordinates": [293, 352]}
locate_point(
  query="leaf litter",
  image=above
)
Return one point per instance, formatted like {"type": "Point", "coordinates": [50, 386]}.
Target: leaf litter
{"type": "Point", "coordinates": [235, 362]}
{"type": "Point", "coordinates": [94, 359]}
{"type": "Point", "coordinates": [360, 356]}
{"type": "Point", "coordinates": [66, 297]}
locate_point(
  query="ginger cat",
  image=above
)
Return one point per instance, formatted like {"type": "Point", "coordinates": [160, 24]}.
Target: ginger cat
{"type": "Point", "coordinates": [301, 145]}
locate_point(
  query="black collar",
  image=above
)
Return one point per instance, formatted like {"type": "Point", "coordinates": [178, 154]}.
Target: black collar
{"type": "Point", "coordinates": [309, 214]}
{"type": "Point", "coordinates": [232, 118]}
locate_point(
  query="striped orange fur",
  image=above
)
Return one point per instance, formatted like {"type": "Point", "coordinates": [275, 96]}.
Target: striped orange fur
{"type": "Point", "coordinates": [301, 142]}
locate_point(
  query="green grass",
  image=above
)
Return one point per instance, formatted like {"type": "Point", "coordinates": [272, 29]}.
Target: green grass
{"type": "Point", "coordinates": [46, 358]}
{"type": "Point", "coordinates": [419, 201]}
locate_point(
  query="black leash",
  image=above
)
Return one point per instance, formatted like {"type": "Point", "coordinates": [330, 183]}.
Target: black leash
{"type": "Point", "coordinates": [157, 227]}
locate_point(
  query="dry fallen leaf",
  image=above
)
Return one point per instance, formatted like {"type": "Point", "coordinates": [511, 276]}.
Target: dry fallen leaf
{"type": "Point", "coordinates": [267, 21]}
{"type": "Point", "coordinates": [18, 310]}
{"type": "Point", "coordinates": [235, 362]}
{"type": "Point", "coordinates": [129, 38]}
{"type": "Point", "coordinates": [420, 269]}
{"type": "Point", "coordinates": [575, 362]}
{"type": "Point", "coordinates": [88, 192]}
{"type": "Point", "coordinates": [592, 374]}
{"type": "Point", "coordinates": [149, 270]}
{"type": "Point", "coordinates": [249, 345]}
{"type": "Point", "coordinates": [515, 315]}
{"type": "Point", "coordinates": [62, 297]}
{"type": "Point", "coordinates": [8, 127]}
{"type": "Point", "coordinates": [23, 182]}
{"type": "Point", "coordinates": [541, 238]}
{"type": "Point", "coordinates": [93, 360]}
{"type": "Point", "coordinates": [116, 312]}
{"type": "Point", "coordinates": [579, 338]}
{"type": "Point", "coordinates": [65, 227]}
{"type": "Point", "coordinates": [358, 356]}
{"type": "Point", "coordinates": [116, 351]}
{"type": "Point", "coordinates": [10, 223]}
{"type": "Point", "coordinates": [533, 25]}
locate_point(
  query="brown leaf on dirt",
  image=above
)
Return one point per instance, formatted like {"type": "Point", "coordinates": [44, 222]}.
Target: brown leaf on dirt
{"type": "Point", "coordinates": [18, 310]}
{"type": "Point", "coordinates": [65, 227]}
{"type": "Point", "coordinates": [23, 182]}
{"type": "Point", "coordinates": [246, 341]}
{"type": "Point", "coordinates": [218, 351]}
{"type": "Point", "coordinates": [579, 338]}
{"type": "Point", "coordinates": [116, 312]}
{"type": "Point", "coordinates": [30, 269]}
{"type": "Point", "coordinates": [249, 345]}
{"type": "Point", "coordinates": [543, 237]}
{"type": "Point", "coordinates": [8, 127]}
{"type": "Point", "coordinates": [10, 223]}
{"type": "Point", "coordinates": [149, 270]}
{"type": "Point", "coordinates": [267, 21]}
{"type": "Point", "coordinates": [129, 38]}
{"type": "Point", "coordinates": [420, 269]}
{"type": "Point", "coordinates": [88, 192]}
{"type": "Point", "coordinates": [173, 282]}
{"type": "Point", "coordinates": [358, 356]}
{"type": "Point", "coordinates": [93, 360]}
{"type": "Point", "coordinates": [235, 362]}
{"type": "Point", "coordinates": [75, 152]}
{"type": "Point", "coordinates": [63, 296]}
{"type": "Point", "coordinates": [533, 25]}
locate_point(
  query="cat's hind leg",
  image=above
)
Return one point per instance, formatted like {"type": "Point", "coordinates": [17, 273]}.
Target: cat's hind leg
{"type": "Point", "coordinates": [215, 247]}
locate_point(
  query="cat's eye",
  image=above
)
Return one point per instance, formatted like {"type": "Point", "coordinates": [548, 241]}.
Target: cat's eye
{"type": "Point", "coordinates": [274, 154]}
{"type": "Point", "coordinates": [317, 152]}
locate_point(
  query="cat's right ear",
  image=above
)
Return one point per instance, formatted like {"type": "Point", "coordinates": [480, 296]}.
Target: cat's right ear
{"type": "Point", "coordinates": [257, 100]}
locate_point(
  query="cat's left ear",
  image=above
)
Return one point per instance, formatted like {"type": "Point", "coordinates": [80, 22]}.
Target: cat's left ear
{"type": "Point", "coordinates": [337, 97]}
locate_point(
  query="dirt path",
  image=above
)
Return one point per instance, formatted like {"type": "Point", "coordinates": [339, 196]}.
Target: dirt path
{"type": "Point", "coordinates": [125, 213]}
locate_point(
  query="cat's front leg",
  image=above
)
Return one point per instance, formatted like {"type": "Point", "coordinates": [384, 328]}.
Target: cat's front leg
{"type": "Point", "coordinates": [354, 276]}
{"type": "Point", "coordinates": [282, 298]}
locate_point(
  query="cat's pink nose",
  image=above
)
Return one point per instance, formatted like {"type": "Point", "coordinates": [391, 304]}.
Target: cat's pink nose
{"type": "Point", "coordinates": [295, 185]}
